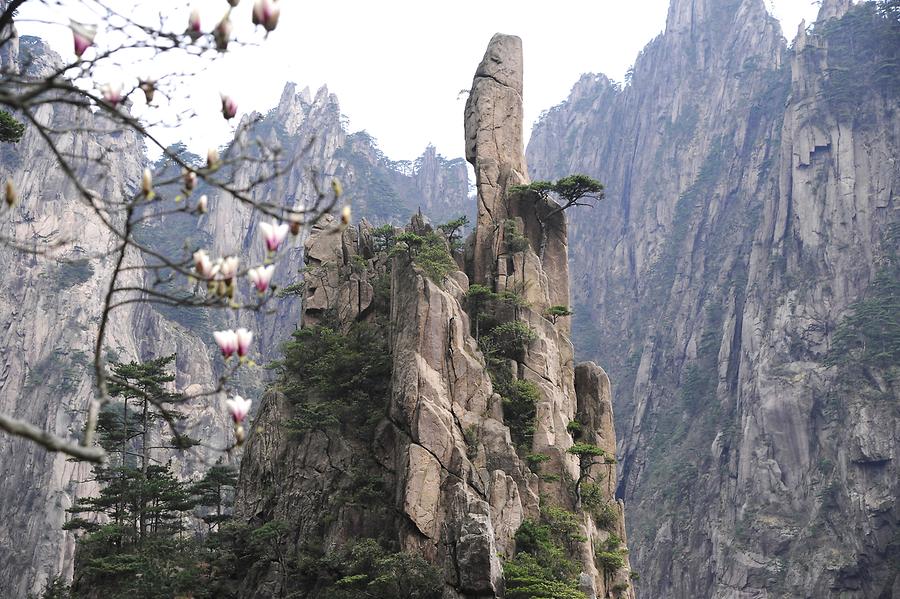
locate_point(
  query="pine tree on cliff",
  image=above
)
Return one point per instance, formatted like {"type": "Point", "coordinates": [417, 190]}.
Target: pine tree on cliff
{"type": "Point", "coordinates": [574, 190]}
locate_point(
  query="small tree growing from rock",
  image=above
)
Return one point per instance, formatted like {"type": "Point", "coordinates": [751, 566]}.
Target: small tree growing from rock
{"type": "Point", "coordinates": [574, 190]}
{"type": "Point", "coordinates": [554, 313]}
{"type": "Point", "coordinates": [589, 455]}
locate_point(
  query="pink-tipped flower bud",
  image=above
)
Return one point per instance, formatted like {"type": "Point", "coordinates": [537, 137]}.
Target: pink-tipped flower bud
{"type": "Point", "coordinates": [112, 94]}
{"type": "Point", "coordinates": [244, 339]}
{"type": "Point", "coordinates": [229, 107]}
{"type": "Point", "coordinates": [222, 33]}
{"type": "Point", "coordinates": [194, 30]}
{"type": "Point", "coordinates": [266, 13]}
{"type": "Point", "coordinates": [273, 234]}
{"type": "Point", "coordinates": [261, 276]}
{"type": "Point", "coordinates": [227, 342]}
{"type": "Point", "coordinates": [229, 268]}
{"type": "Point", "coordinates": [239, 408]}
{"type": "Point", "coordinates": [82, 36]}
{"type": "Point", "coordinates": [203, 265]}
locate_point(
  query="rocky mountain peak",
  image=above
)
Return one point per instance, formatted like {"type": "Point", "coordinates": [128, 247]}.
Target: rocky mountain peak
{"type": "Point", "coordinates": [833, 9]}
{"type": "Point", "coordinates": [496, 153]}
{"type": "Point", "coordinates": [749, 218]}
{"type": "Point", "coordinates": [694, 16]}
{"type": "Point", "coordinates": [446, 445]}
{"type": "Point", "coordinates": [44, 377]}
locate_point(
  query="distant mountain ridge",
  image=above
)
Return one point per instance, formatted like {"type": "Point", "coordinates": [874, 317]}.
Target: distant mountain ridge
{"type": "Point", "coordinates": [735, 280]}
{"type": "Point", "coordinates": [48, 310]}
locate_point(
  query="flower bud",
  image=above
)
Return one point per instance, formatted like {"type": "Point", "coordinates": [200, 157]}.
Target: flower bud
{"type": "Point", "coordinates": [229, 268]}
{"type": "Point", "coordinates": [11, 196]}
{"type": "Point", "coordinates": [112, 93]}
{"type": "Point", "coordinates": [222, 33]}
{"type": "Point", "coordinates": [148, 86]}
{"type": "Point", "coordinates": [212, 159]}
{"type": "Point", "coordinates": [147, 183]}
{"type": "Point", "coordinates": [337, 188]}
{"type": "Point", "coordinates": [202, 204]}
{"type": "Point", "coordinates": [229, 107]}
{"type": "Point", "coordinates": [295, 225]}
{"type": "Point", "coordinates": [345, 216]}
{"type": "Point", "coordinates": [194, 30]}
{"type": "Point", "coordinates": [266, 13]}
{"type": "Point", "coordinates": [273, 234]}
{"type": "Point", "coordinates": [190, 180]}
{"type": "Point", "coordinates": [240, 435]}
{"type": "Point", "coordinates": [82, 36]}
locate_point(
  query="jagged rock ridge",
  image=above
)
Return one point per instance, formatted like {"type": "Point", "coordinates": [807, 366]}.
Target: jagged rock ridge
{"type": "Point", "coordinates": [752, 200]}
{"type": "Point", "coordinates": [48, 313]}
{"type": "Point", "coordinates": [455, 487]}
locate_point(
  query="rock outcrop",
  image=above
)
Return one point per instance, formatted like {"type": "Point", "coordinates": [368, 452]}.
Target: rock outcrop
{"type": "Point", "coordinates": [456, 488]}
{"type": "Point", "coordinates": [751, 204]}
{"type": "Point", "coordinates": [48, 307]}
{"type": "Point", "coordinates": [494, 144]}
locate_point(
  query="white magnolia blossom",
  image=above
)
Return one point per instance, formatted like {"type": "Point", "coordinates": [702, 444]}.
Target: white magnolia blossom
{"type": "Point", "coordinates": [238, 407]}
{"type": "Point", "coordinates": [244, 339]}
{"type": "Point", "coordinates": [261, 276]}
{"type": "Point", "coordinates": [227, 342]}
{"type": "Point", "coordinates": [229, 267]}
{"type": "Point", "coordinates": [273, 234]}
{"type": "Point", "coordinates": [203, 264]}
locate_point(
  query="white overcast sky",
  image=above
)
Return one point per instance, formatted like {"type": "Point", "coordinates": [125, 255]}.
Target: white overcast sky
{"type": "Point", "coordinates": [397, 66]}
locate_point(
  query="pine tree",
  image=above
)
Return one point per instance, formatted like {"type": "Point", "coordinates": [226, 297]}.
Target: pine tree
{"type": "Point", "coordinates": [215, 491]}
{"type": "Point", "coordinates": [141, 551]}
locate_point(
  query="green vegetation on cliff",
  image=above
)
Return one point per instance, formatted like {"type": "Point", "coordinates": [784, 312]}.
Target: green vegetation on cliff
{"type": "Point", "coordinates": [336, 379]}
{"type": "Point", "coordinates": [542, 567]}
{"type": "Point", "coordinates": [863, 49]}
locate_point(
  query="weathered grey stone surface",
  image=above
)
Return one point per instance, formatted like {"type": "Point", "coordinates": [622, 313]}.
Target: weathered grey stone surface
{"type": "Point", "coordinates": [494, 144]}
{"type": "Point", "coordinates": [745, 213]}
{"type": "Point", "coordinates": [460, 488]}
{"type": "Point", "coordinates": [47, 326]}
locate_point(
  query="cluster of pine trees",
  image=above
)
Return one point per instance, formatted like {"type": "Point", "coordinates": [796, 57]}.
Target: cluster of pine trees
{"type": "Point", "coordinates": [147, 533]}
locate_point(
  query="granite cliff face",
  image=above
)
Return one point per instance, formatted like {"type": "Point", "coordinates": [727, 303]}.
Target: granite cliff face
{"type": "Point", "coordinates": [451, 484]}
{"type": "Point", "coordinates": [738, 283]}
{"type": "Point", "coordinates": [49, 315]}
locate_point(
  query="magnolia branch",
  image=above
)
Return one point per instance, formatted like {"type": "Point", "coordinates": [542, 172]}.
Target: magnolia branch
{"type": "Point", "coordinates": [20, 428]}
